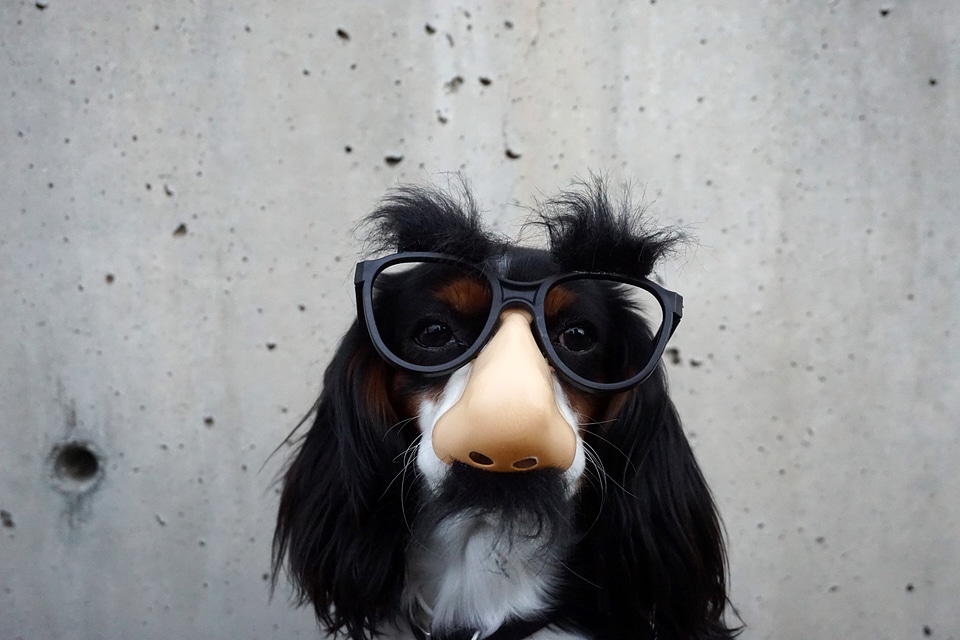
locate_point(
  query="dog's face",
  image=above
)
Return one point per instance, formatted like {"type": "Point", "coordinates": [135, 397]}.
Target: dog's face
{"type": "Point", "coordinates": [499, 369]}
{"type": "Point", "coordinates": [502, 365]}
{"type": "Point", "coordinates": [494, 442]}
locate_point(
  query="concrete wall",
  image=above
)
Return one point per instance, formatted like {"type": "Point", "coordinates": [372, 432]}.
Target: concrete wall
{"type": "Point", "coordinates": [178, 183]}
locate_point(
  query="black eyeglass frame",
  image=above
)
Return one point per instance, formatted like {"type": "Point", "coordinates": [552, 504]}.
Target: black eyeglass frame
{"type": "Point", "coordinates": [510, 293]}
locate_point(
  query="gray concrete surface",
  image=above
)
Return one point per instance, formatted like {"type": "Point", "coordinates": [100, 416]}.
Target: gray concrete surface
{"type": "Point", "coordinates": [178, 184]}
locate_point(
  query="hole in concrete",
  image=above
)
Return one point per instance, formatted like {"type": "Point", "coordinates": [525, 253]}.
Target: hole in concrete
{"type": "Point", "coordinates": [76, 467]}
{"type": "Point", "coordinates": [453, 84]}
{"type": "Point", "coordinates": [75, 462]}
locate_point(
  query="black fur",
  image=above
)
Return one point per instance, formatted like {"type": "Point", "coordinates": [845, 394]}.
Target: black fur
{"type": "Point", "coordinates": [531, 506]}
{"type": "Point", "coordinates": [647, 543]}
{"type": "Point", "coordinates": [590, 233]}
{"type": "Point", "coordinates": [340, 524]}
{"type": "Point", "coordinates": [416, 219]}
{"type": "Point", "coordinates": [653, 547]}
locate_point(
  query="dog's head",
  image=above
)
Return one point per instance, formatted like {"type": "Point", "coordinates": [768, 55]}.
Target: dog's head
{"type": "Point", "coordinates": [501, 410]}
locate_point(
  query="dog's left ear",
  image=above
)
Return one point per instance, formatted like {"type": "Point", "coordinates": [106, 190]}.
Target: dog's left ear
{"type": "Point", "coordinates": [653, 554]}
{"type": "Point", "coordinates": [340, 527]}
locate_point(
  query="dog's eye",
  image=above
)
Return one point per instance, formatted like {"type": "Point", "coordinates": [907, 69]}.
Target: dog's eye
{"type": "Point", "coordinates": [577, 338]}
{"type": "Point", "coordinates": [433, 335]}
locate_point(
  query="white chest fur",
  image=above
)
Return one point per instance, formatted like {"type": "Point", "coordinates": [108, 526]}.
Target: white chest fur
{"type": "Point", "coordinates": [469, 574]}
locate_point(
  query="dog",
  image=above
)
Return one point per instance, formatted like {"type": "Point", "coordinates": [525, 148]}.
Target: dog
{"type": "Point", "coordinates": [494, 453]}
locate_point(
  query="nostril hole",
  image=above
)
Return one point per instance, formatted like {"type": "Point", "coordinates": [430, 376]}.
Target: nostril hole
{"type": "Point", "coordinates": [525, 463]}
{"type": "Point", "coordinates": [480, 459]}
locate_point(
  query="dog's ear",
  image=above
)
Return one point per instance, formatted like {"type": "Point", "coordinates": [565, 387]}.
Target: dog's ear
{"type": "Point", "coordinates": [340, 526]}
{"type": "Point", "coordinates": [653, 535]}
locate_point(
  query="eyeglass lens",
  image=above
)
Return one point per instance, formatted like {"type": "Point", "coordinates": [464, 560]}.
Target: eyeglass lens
{"type": "Point", "coordinates": [430, 313]}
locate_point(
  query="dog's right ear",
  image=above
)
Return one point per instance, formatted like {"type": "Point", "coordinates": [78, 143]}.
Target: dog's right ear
{"type": "Point", "coordinates": [653, 558]}
{"type": "Point", "coordinates": [340, 530]}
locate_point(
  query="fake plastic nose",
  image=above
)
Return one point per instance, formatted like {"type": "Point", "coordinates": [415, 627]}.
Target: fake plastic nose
{"type": "Point", "coordinates": [507, 418]}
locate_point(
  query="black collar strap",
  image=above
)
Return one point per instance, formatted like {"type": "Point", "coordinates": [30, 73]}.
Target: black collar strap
{"type": "Point", "coordinates": [516, 630]}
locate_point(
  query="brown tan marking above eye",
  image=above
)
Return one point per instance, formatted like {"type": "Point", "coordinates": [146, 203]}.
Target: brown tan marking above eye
{"type": "Point", "coordinates": [558, 299]}
{"type": "Point", "coordinates": [466, 296]}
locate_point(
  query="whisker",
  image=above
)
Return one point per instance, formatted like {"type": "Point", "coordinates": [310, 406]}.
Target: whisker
{"type": "Point", "coordinates": [630, 468]}
{"type": "Point", "coordinates": [633, 468]}
{"type": "Point", "coordinates": [410, 461]}
{"type": "Point", "coordinates": [288, 439]}
{"type": "Point", "coordinates": [400, 425]}
{"type": "Point", "coordinates": [567, 567]}
{"type": "Point", "coordinates": [407, 459]}
{"type": "Point", "coordinates": [598, 423]}
{"type": "Point", "coordinates": [600, 477]}
{"type": "Point", "coordinates": [606, 476]}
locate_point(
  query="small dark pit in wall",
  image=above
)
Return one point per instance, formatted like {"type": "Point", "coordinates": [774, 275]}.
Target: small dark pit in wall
{"type": "Point", "coordinates": [453, 84]}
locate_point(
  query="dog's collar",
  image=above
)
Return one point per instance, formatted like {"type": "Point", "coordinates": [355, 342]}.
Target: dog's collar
{"type": "Point", "coordinates": [515, 630]}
